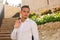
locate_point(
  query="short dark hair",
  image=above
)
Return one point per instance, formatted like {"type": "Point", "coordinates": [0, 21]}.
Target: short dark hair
{"type": "Point", "coordinates": [25, 6]}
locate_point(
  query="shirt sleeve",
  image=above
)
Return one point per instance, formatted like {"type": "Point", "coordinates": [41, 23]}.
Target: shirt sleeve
{"type": "Point", "coordinates": [14, 34]}
{"type": "Point", "coordinates": [35, 31]}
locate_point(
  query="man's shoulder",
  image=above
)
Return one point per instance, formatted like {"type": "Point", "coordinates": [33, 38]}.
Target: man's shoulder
{"type": "Point", "coordinates": [32, 21]}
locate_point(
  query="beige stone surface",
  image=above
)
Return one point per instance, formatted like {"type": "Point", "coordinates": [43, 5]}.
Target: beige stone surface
{"type": "Point", "coordinates": [39, 5]}
{"type": "Point", "coordinates": [50, 31]}
{"type": "Point", "coordinates": [10, 11]}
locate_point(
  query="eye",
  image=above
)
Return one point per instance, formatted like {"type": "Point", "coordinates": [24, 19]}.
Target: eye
{"type": "Point", "coordinates": [27, 11]}
{"type": "Point", "coordinates": [24, 11]}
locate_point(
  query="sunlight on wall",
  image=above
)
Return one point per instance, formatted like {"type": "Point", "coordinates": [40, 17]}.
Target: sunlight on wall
{"type": "Point", "coordinates": [13, 2]}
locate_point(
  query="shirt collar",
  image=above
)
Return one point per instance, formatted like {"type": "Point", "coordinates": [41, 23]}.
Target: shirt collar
{"type": "Point", "coordinates": [27, 19]}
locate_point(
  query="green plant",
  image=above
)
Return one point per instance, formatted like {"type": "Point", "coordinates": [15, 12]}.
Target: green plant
{"type": "Point", "coordinates": [46, 12]}
{"type": "Point", "coordinates": [56, 9]}
{"type": "Point", "coordinates": [46, 18]}
{"type": "Point", "coordinates": [33, 14]}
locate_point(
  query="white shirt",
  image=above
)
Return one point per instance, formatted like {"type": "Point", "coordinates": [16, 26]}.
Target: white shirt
{"type": "Point", "coordinates": [25, 31]}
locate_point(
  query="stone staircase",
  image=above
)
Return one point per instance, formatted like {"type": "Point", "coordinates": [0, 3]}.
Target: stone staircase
{"type": "Point", "coordinates": [6, 28]}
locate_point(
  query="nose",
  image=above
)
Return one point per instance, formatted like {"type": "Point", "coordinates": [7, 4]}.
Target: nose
{"type": "Point", "coordinates": [26, 12]}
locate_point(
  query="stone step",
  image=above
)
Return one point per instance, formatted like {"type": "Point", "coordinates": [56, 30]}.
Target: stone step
{"type": "Point", "coordinates": [4, 35]}
{"type": "Point", "coordinates": [5, 38]}
{"type": "Point", "coordinates": [6, 32]}
{"type": "Point", "coordinates": [9, 19]}
{"type": "Point", "coordinates": [9, 26]}
{"type": "Point", "coordinates": [6, 28]}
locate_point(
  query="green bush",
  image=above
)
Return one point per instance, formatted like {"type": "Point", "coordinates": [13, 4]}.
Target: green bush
{"type": "Point", "coordinates": [46, 12]}
{"type": "Point", "coordinates": [56, 9]}
{"type": "Point", "coordinates": [46, 18]}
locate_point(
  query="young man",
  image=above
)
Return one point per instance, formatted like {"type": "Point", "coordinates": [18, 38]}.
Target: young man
{"type": "Point", "coordinates": [25, 27]}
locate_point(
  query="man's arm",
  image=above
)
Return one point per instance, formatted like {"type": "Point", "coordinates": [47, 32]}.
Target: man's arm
{"type": "Point", "coordinates": [14, 33]}
{"type": "Point", "coordinates": [35, 32]}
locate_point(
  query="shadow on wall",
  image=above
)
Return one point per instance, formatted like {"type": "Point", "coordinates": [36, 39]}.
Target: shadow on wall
{"type": "Point", "coordinates": [16, 15]}
{"type": "Point", "coordinates": [1, 15]}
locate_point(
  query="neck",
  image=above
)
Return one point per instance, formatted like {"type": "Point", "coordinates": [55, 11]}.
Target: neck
{"type": "Point", "coordinates": [23, 19]}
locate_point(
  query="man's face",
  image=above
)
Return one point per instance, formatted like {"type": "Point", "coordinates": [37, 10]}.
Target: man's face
{"type": "Point", "coordinates": [25, 12]}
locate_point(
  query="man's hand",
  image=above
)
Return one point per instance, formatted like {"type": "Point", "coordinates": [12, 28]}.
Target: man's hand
{"type": "Point", "coordinates": [17, 24]}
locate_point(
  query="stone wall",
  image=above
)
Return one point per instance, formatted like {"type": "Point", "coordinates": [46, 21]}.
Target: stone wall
{"type": "Point", "coordinates": [10, 11]}
{"type": "Point", "coordinates": [39, 5]}
{"type": "Point", "coordinates": [49, 31]}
